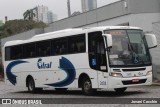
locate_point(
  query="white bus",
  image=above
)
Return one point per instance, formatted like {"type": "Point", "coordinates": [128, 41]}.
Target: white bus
{"type": "Point", "coordinates": [110, 57]}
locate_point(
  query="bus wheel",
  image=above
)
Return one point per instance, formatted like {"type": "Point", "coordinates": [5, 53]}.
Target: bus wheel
{"type": "Point", "coordinates": [31, 85]}
{"type": "Point", "coordinates": [120, 90]}
{"type": "Point", "coordinates": [87, 87]}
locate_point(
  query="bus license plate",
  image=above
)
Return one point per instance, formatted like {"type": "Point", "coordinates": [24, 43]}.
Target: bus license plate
{"type": "Point", "coordinates": [135, 80]}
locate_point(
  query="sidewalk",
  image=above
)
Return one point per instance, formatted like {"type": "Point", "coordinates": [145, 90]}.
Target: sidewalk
{"type": "Point", "coordinates": [1, 79]}
{"type": "Point", "coordinates": [156, 82]}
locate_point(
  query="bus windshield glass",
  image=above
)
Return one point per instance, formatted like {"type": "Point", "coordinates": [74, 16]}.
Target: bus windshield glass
{"type": "Point", "coordinates": [129, 48]}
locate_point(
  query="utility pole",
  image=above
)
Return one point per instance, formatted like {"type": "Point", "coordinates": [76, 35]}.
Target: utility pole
{"type": "Point", "coordinates": [69, 8]}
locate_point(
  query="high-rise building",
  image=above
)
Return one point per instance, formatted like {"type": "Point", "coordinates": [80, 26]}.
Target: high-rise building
{"type": "Point", "coordinates": [55, 17]}
{"type": "Point", "coordinates": [43, 14]}
{"type": "Point", "coordinates": [88, 5]}
{"type": "Point", "coordinates": [51, 17]}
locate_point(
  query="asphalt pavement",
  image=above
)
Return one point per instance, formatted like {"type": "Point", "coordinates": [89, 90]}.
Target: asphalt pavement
{"type": "Point", "coordinates": [72, 96]}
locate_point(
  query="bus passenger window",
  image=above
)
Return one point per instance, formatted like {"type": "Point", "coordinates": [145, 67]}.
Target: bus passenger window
{"type": "Point", "coordinates": [57, 52]}
{"type": "Point", "coordinates": [16, 52]}
{"type": "Point", "coordinates": [77, 44]}
{"type": "Point", "coordinates": [43, 49]}
{"type": "Point", "coordinates": [62, 49]}
{"type": "Point", "coordinates": [59, 46]}
{"type": "Point", "coordinates": [7, 53]}
{"type": "Point", "coordinates": [29, 50]}
{"type": "Point", "coordinates": [73, 48]}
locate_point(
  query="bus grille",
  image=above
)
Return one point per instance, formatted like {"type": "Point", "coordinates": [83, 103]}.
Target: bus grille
{"type": "Point", "coordinates": [137, 69]}
{"type": "Point", "coordinates": [129, 82]}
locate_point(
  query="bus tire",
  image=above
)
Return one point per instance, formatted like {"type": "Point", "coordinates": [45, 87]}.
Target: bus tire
{"type": "Point", "coordinates": [87, 87]}
{"type": "Point", "coordinates": [31, 85]}
{"type": "Point", "coordinates": [120, 90]}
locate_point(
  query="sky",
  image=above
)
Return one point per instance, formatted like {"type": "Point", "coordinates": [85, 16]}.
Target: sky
{"type": "Point", "coordinates": [14, 9]}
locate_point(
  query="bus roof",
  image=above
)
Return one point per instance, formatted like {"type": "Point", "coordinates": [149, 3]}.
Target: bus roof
{"type": "Point", "coordinates": [64, 33]}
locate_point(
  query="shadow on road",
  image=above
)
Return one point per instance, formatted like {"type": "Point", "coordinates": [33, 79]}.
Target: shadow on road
{"type": "Point", "coordinates": [79, 93]}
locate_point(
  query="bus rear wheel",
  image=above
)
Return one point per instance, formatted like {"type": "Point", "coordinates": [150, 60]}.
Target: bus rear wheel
{"type": "Point", "coordinates": [120, 90]}
{"type": "Point", "coordinates": [31, 86]}
{"type": "Point", "coordinates": [87, 87]}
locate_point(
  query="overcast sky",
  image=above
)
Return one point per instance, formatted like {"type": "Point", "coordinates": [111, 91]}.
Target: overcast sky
{"type": "Point", "coordinates": [14, 9]}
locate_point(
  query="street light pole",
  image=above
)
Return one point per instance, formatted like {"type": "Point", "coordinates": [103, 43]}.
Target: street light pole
{"type": "Point", "coordinates": [69, 8]}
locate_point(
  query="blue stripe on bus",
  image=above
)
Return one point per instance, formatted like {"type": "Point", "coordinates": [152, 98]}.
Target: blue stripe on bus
{"type": "Point", "coordinates": [11, 77]}
{"type": "Point", "coordinates": [68, 67]}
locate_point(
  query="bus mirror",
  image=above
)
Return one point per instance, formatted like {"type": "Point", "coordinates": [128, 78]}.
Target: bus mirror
{"type": "Point", "coordinates": [151, 40]}
{"type": "Point", "coordinates": [108, 40]}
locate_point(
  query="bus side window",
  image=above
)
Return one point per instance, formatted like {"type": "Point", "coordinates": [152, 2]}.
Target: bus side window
{"type": "Point", "coordinates": [43, 48]}
{"type": "Point", "coordinates": [7, 53]}
{"type": "Point", "coordinates": [77, 44]}
{"type": "Point", "coordinates": [16, 52]}
{"type": "Point", "coordinates": [59, 46]}
{"type": "Point", "coordinates": [29, 50]}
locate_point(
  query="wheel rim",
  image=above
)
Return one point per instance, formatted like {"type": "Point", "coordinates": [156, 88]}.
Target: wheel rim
{"type": "Point", "coordinates": [87, 86]}
{"type": "Point", "coordinates": [31, 85]}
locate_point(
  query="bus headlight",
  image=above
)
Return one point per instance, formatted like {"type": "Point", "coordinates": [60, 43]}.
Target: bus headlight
{"type": "Point", "coordinates": [149, 73]}
{"type": "Point", "coordinates": [115, 74]}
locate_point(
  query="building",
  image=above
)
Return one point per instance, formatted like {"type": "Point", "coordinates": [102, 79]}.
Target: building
{"type": "Point", "coordinates": [88, 5]}
{"type": "Point", "coordinates": [51, 17]}
{"type": "Point", "coordinates": [43, 14]}
{"type": "Point", "coordinates": [140, 13]}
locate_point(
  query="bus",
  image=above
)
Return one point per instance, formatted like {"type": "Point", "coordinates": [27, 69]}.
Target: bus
{"type": "Point", "coordinates": [107, 57]}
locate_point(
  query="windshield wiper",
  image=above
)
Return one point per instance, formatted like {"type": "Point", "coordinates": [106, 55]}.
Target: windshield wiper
{"type": "Point", "coordinates": [135, 55]}
{"type": "Point", "coordinates": [140, 59]}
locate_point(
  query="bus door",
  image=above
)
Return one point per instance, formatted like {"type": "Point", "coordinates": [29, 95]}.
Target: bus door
{"type": "Point", "coordinates": [97, 57]}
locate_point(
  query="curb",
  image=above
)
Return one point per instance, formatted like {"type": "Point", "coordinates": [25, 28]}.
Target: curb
{"type": "Point", "coordinates": [157, 84]}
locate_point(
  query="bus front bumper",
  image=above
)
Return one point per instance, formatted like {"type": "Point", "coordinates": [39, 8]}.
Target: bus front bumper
{"type": "Point", "coordinates": [115, 82]}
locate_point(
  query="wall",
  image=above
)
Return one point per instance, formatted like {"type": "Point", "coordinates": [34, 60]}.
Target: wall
{"type": "Point", "coordinates": [104, 13]}
{"type": "Point", "coordinates": [109, 12]}
{"type": "Point", "coordinates": [156, 52]}
{"type": "Point", "coordinates": [145, 20]}
{"type": "Point", "coordinates": [144, 6]}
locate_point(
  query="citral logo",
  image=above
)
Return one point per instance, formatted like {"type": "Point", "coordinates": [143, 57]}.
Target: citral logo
{"type": "Point", "coordinates": [43, 65]}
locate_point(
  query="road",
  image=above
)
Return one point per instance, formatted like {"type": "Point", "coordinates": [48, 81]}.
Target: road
{"type": "Point", "coordinates": [133, 92]}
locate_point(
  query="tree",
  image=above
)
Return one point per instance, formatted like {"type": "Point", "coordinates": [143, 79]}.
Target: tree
{"type": "Point", "coordinates": [29, 14]}
{"type": "Point", "coordinates": [13, 27]}
{"type": "Point", "coordinates": [1, 30]}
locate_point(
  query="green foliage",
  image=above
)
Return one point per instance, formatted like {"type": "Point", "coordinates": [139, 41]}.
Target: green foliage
{"type": "Point", "coordinates": [29, 14]}
{"type": "Point", "coordinates": [1, 31]}
{"type": "Point", "coordinates": [13, 27]}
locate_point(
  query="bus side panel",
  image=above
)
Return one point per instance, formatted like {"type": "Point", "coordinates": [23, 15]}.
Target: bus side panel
{"type": "Point", "coordinates": [58, 74]}
{"type": "Point", "coordinates": [49, 71]}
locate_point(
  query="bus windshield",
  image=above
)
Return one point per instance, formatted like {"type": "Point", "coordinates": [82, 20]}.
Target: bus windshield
{"type": "Point", "coordinates": [129, 48]}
